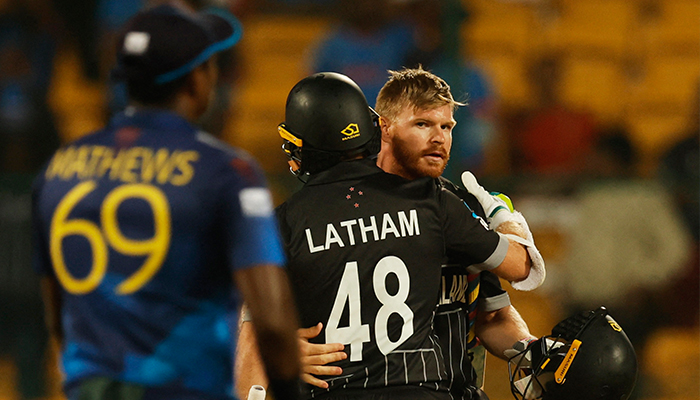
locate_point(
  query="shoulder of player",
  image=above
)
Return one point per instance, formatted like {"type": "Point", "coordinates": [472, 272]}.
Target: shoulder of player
{"type": "Point", "coordinates": [452, 187]}
{"type": "Point", "coordinates": [213, 146]}
{"type": "Point", "coordinates": [462, 194]}
{"type": "Point", "coordinates": [231, 159]}
{"type": "Point", "coordinates": [89, 138]}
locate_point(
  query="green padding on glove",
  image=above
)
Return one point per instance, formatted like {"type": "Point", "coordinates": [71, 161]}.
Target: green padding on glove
{"type": "Point", "coordinates": [505, 199]}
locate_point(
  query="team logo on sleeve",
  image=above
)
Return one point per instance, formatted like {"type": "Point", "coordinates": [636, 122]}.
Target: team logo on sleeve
{"type": "Point", "coordinates": [256, 202]}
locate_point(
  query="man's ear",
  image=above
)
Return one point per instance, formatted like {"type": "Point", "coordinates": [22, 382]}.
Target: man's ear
{"type": "Point", "coordinates": [203, 75]}
{"type": "Point", "coordinates": [200, 84]}
{"type": "Point", "coordinates": [194, 81]}
{"type": "Point", "coordinates": [384, 125]}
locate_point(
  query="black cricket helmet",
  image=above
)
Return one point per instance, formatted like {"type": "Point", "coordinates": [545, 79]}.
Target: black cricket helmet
{"type": "Point", "coordinates": [327, 119]}
{"type": "Point", "coordinates": [587, 357]}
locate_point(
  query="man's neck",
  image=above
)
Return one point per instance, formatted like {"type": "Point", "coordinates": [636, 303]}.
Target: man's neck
{"type": "Point", "coordinates": [180, 105]}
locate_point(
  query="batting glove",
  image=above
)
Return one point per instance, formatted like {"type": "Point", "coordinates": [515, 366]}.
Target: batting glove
{"type": "Point", "coordinates": [499, 209]}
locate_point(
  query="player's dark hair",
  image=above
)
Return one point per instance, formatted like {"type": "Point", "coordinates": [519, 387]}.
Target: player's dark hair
{"type": "Point", "coordinates": [146, 92]}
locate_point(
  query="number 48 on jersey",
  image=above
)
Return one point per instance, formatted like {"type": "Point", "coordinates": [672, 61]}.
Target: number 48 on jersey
{"type": "Point", "coordinates": [357, 333]}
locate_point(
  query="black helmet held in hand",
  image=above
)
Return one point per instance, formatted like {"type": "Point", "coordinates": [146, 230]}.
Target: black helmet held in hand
{"type": "Point", "coordinates": [327, 120]}
{"type": "Point", "coordinates": [587, 357]}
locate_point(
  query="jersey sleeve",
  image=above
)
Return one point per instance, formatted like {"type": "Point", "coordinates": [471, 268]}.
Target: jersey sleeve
{"type": "Point", "coordinates": [467, 237]}
{"type": "Point", "coordinates": [249, 219]}
{"type": "Point", "coordinates": [469, 199]}
{"type": "Point", "coordinates": [492, 297]}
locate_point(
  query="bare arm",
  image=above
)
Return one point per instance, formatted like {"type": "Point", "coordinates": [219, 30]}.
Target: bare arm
{"type": "Point", "coordinates": [516, 266]}
{"type": "Point", "coordinates": [500, 329]}
{"type": "Point", "coordinates": [249, 368]}
{"type": "Point", "coordinates": [267, 293]}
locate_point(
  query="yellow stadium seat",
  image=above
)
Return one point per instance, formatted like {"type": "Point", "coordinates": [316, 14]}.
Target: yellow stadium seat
{"type": "Point", "coordinates": [69, 92]}
{"type": "Point", "coordinates": [500, 29]}
{"type": "Point", "coordinates": [507, 74]}
{"type": "Point", "coordinates": [676, 31]}
{"type": "Point", "coordinates": [671, 78]}
{"type": "Point", "coordinates": [595, 85]}
{"type": "Point", "coordinates": [273, 49]}
{"type": "Point", "coordinates": [597, 28]}
{"type": "Point", "coordinates": [672, 356]}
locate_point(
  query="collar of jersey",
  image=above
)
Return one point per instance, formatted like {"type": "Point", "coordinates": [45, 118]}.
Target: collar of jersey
{"type": "Point", "coordinates": [345, 170]}
{"type": "Point", "coordinates": [155, 119]}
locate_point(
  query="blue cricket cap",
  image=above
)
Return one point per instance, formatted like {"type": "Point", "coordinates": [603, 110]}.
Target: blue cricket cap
{"type": "Point", "coordinates": [164, 43]}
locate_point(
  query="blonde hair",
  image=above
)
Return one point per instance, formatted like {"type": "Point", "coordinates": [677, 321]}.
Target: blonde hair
{"type": "Point", "coordinates": [413, 87]}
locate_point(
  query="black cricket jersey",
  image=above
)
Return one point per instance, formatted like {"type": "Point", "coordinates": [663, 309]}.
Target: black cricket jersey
{"type": "Point", "coordinates": [464, 293]}
{"type": "Point", "coordinates": [365, 250]}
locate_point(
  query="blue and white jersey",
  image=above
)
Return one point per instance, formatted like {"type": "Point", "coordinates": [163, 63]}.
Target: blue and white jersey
{"type": "Point", "coordinates": [142, 224]}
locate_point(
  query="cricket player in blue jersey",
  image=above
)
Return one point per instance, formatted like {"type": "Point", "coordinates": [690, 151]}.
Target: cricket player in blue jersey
{"type": "Point", "coordinates": [142, 228]}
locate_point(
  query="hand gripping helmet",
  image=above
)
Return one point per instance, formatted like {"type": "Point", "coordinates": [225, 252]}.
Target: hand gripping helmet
{"type": "Point", "coordinates": [587, 357]}
{"type": "Point", "coordinates": [327, 119]}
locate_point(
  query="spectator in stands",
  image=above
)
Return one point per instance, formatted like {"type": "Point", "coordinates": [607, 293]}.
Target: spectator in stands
{"type": "Point", "coordinates": [367, 42]}
{"type": "Point", "coordinates": [81, 30]}
{"type": "Point", "coordinates": [628, 244]}
{"type": "Point", "coordinates": [679, 171]}
{"type": "Point", "coordinates": [553, 139]}
{"type": "Point", "coordinates": [28, 136]}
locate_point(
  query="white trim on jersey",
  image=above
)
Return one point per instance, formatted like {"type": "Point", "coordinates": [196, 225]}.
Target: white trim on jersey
{"type": "Point", "coordinates": [405, 370]}
{"type": "Point", "coordinates": [463, 336]}
{"type": "Point", "coordinates": [450, 352]}
{"type": "Point", "coordinates": [405, 364]}
{"type": "Point", "coordinates": [462, 341]}
{"type": "Point", "coordinates": [437, 360]}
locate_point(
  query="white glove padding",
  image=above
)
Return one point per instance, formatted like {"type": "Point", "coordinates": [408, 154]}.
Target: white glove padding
{"type": "Point", "coordinates": [537, 273]}
{"type": "Point", "coordinates": [499, 209]}
{"type": "Point", "coordinates": [496, 206]}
